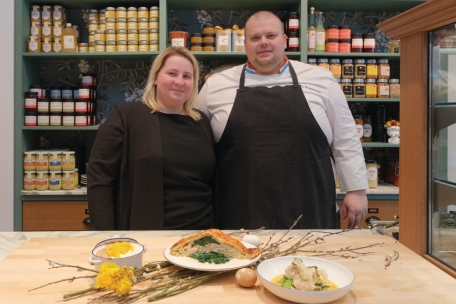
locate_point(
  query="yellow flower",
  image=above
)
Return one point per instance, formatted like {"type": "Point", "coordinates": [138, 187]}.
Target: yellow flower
{"type": "Point", "coordinates": [124, 286]}
{"type": "Point", "coordinates": [112, 277]}
{"type": "Point", "coordinates": [118, 248]}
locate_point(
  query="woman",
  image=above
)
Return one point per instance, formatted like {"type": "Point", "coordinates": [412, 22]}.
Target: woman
{"type": "Point", "coordinates": [152, 163]}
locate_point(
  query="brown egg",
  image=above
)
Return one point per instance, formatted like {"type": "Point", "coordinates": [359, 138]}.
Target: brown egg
{"type": "Point", "coordinates": [246, 277]}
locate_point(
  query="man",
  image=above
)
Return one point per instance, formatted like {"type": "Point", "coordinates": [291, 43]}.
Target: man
{"type": "Point", "coordinates": [276, 123]}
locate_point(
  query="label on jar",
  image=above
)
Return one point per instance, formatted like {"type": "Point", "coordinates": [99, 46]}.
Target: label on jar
{"type": "Point", "coordinates": [46, 29]}
{"type": "Point", "coordinates": [46, 14]}
{"type": "Point", "coordinates": [30, 120]}
{"type": "Point", "coordinates": [153, 36]}
{"type": "Point", "coordinates": [372, 173]}
{"type": "Point", "coordinates": [293, 24]}
{"type": "Point", "coordinates": [385, 71]}
{"type": "Point", "coordinates": [33, 46]}
{"type": "Point", "coordinates": [43, 120]}
{"type": "Point", "coordinates": [361, 70]}
{"type": "Point", "coordinates": [360, 130]}
{"type": "Point", "coordinates": [360, 90]}
{"type": "Point", "coordinates": [80, 107]}
{"type": "Point", "coordinates": [153, 25]}
{"type": "Point", "coordinates": [348, 70]}
{"type": "Point", "coordinates": [57, 46]}
{"type": "Point", "coordinates": [43, 106]}
{"type": "Point", "coordinates": [68, 42]}
{"type": "Point", "coordinates": [84, 93]}
{"type": "Point", "coordinates": [30, 103]}
{"type": "Point", "coordinates": [348, 90]}
{"type": "Point", "coordinates": [67, 94]}
{"type": "Point", "coordinates": [177, 42]}
{"type": "Point", "coordinates": [371, 90]}
{"type": "Point", "coordinates": [367, 130]}
{"type": "Point", "coordinates": [68, 120]}
{"type": "Point", "coordinates": [369, 43]}
{"type": "Point", "coordinates": [35, 13]}
{"type": "Point", "coordinates": [80, 121]}
{"type": "Point", "coordinates": [121, 48]}
{"type": "Point", "coordinates": [86, 81]}
{"type": "Point", "coordinates": [57, 14]}
{"type": "Point", "coordinates": [222, 40]}
{"type": "Point", "coordinates": [46, 47]}
{"type": "Point", "coordinates": [57, 31]}
{"type": "Point", "coordinates": [357, 43]}
{"type": "Point", "coordinates": [384, 90]}
{"type": "Point", "coordinates": [34, 30]}
{"type": "Point", "coordinates": [293, 42]}
{"type": "Point", "coordinates": [56, 106]}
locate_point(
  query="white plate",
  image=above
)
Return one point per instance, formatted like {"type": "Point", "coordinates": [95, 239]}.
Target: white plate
{"type": "Point", "coordinates": [191, 263]}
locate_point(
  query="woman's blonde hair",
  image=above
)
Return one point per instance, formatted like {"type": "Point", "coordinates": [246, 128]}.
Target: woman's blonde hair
{"type": "Point", "coordinates": [150, 92]}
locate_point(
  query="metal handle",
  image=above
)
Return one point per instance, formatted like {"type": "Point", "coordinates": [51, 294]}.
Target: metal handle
{"type": "Point", "coordinates": [86, 221]}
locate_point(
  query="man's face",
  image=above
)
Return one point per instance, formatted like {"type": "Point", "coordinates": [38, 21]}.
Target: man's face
{"type": "Point", "coordinates": [265, 45]}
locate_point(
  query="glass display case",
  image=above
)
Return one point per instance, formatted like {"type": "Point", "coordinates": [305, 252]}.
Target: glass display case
{"type": "Point", "coordinates": [442, 145]}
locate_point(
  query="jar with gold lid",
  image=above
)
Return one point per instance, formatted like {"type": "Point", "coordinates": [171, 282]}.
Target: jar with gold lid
{"type": "Point", "coordinates": [132, 12]}
{"type": "Point", "coordinates": [111, 35]}
{"type": "Point", "coordinates": [144, 46]}
{"type": "Point", "coordinates": [143, 12]}
{"type": "Point", "coordinates": [102, 25]}
{"type": "Point", "coordinates": [46, 13]}
{"type": "Point", "coordinates": [46, 46]}
{"type": "Point", "coordinates": [153, 24]}
{"type": "Point", "coordinates": [34, 44]}
{"type": "Point", "coordinates": [91, 37]}
{"type": "Point", "coordinates": [93, 26]}
{"type": "Point", "coordinates": [93, 15]}
{"type": "Point", "coordinates": [111, 46]}
{"type": "Point", "coordinates": [91, 47]}
{"type": "Point", "coordinates": [122, 46]}
{"type": "Point", "coordinates": [153, 35]}
{"type": "Point", "coordinates": [208, 29]}
{"type": "Point", "coordinates": [133, 46]}
{"type": "Point", "coordinates": [132, 35]}
{"type": "Point", "coordinates": [47, 29]}
{"type": "Point", "coordinates": [100, 46]}
{"type": "Point", "coordinates": [132, 24]}
{"type": "Point", "coordinates": [100, 36]}
{"type": "Point", "coordinates": [121, 13]}
{"type": "Point", "coordinates": [154, 45]}
{"type": "Point", "coordinates": [110, 13]}
{"type": "Point", "coordinates": [35, 13]}
{"type": "Point", "coordinates": [122, 35]}
{"type": "Point", "coordinates": [83, 47]}
{"type": "Point", "coordinates": [110, 24]}
{"type": "Point", "coordinates": [143, 35]}
{"type": "Point", "coordinates": [35, 29]}
{"type": "Point", "coordinates": [121, 24]}
{"type": "Point", "coordinates": [143, 24]}
{"type": "Point", "coordinates": [57, 13]}
{"type": "Point", "coordinates": [154, 13]}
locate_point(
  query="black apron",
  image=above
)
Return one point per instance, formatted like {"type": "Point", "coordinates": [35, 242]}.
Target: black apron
{"type": "Point", "coordinates": [274, 162]}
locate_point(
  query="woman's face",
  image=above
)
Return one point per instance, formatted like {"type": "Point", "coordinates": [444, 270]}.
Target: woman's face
{"type": "Point", "coordinates": [174, 84]}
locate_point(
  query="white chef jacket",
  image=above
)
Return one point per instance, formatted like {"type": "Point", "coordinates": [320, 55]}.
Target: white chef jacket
{"type": "Point", "coordinates": [326, 101]}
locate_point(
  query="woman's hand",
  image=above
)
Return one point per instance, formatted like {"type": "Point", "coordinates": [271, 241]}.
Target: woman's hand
{"type": "Point", "coordinates": [355, 207]}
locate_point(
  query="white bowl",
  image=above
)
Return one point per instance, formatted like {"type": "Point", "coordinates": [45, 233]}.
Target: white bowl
{"type": "Point", "coordinates": [337, 273]}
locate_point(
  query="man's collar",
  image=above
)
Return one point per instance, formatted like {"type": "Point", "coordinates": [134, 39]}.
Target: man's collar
{"type": "Point", "coordinates": [251, 69]}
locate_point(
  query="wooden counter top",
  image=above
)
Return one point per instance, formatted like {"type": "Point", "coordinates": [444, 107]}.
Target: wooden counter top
{"type": "Point", "coordinates": [410, 279]}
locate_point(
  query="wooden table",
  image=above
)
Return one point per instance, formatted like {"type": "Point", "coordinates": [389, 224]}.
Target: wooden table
{"type": "Point", "coordinates": [410, 279]}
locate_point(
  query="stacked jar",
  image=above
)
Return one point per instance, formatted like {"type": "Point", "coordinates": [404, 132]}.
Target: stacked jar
{"type": "Point", "coordinates": [124, 29]}
{"type": "Point", "coordinates": [338, 39]}
{"type": "Point", "coordinates": [292, 32]}
{"type": "Point", "coordinates": [85, 107]}
{"type": "Point", "coordinates": [363, 43]}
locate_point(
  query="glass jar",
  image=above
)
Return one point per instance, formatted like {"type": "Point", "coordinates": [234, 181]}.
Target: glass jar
{"type": "Point", "coordinates": [121, 46]}
{"type": "Point", "coordinates": [344, 45]}
{"type": "Point", "coordinates": [46, 13]}
{"type": "Point", "coordinates": [29, 161]}
{"type": "Point", "coordinates": [55, 180]}
{"type": "Point", "coordinates": [357, 43]}
{"type": "Point", "coordinates": [383, 69]}
{"type": "Point", "coordinates": [121, 24]}
{"type": "Point", "coordinates": [196, 47]}
{"type": "Point", "coordinates": [371, 88]}
{"type": "Point", "coordinates": [42, 180]}
{"type": "Point", "coordinates": [292, 23]}
{"type": "Point", "coordinates": [347, 68]}
{"type": "Point", "coordinates": [42, 105]}
{"type": "Point", "coordinates": [133, 36]}
{"type": "Point", "coordinates": [102, 25]}
{"type": "Point", "coordinates": [55, 160]}
{"type": "Point", "coordinates": [132, 12]}
{"type": "Point", "coordinates": [359, 126]}
{"type": "Point", "coordinates": [332, 32]}
{"type": "Point", "coordinates": [371, 67]}
{"type": "Point", "coordinates": [292, 41]}
{"type": "Point", "coordinates": [93, 26]}
{"type": "Point", "coordinates": [382, 88]}
{"type": "Point", "coordinates": [323, 62]}
{"type": "Point", "coordinates": [57, 13]}
{"type": "Point", "coordinates": [47, 31]}
{"type": "Point", "coordinates": [395, 88]}
{"type": "Point", "coordinates": [359, 88]}
{"type": "Point", "coordinates": [100, 35]}
{"type": "Point", "coordinates": [111, 36]}
{"type": "Point", "coordinates": [35, 13]}
{"type": "Point", "coordinates": [83, 47]}
{"type": "Point", "coordinates": [208, 38]}
{"type": "Point", "coordinates": [42, 160]}
{"type": "Point", "coordinates": [133, 46]}
{"type": "Point", "coordinates": [332, 45]}
{"type": "Point", "coordinates": [93, 15]}
{"type": "Point", "coordinates": [367, 129]}
{"type": "Point", "coordinates": [143, 12]}
{"type": "Point", "coordinates": [111, 47]}
{"type": "Point", "coordinates": [208, 29]}
{"type": "Point", "coordinates": [345, 32]}
{"type": "Point", "coordinates": [122, 35]}
{"type": "Point", "coordinates": [372, 173]}
{"type": "Point", "coordinates": [110, 13]}
{"type": "Point", "coordinates": [144, 35]}
{"type": "Point", "coordinates": [153, 24]}
{"type": "Point", "coordinates": [121, 12]}
{"type": "Point", "coordinates": [208, 47]}
{"type": "Point", "coordinates": [312, 61]}
{"type": "Point", "coordinates": [144, 46]}
{"type": "Point", "coordinates": [100, 46]}
{"type": "Point", "coordinates": [153, 35]}
{"type": "Point", "coordinates": [360, 68]}
{"type": "Point", "coordinates": [347, 87]}
{"type": "Point", "coordinates": [30, 119]}
{"type": "Point", "coordinates": [143, 24]}
{"type": "Point", "coordinates": [369, 43]}
{"type": "Point", "coordinates": [68, 119]}
{"type": "Point", "coordinates": [42, 119]}
{"type": "Point", "coordinates": [335, 68]}
{"type": "Point", "coordinates": [154, 45]}
{"type": "Point", "coordinates": [35, 29]}
{"type": "Point", "coordinates": [111, 24]}
{"type": "Point", "coordinates": [29, 180]}
{"type": "Point", "coordinates": [132, 24]}
{"type": "Point", "coordinates": [154, 12]}
{"type": "Point", "coordinates": [196, 37]}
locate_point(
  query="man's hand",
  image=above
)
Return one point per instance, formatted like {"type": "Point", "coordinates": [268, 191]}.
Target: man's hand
{"type": "Point", "coordinates": [355, 207]}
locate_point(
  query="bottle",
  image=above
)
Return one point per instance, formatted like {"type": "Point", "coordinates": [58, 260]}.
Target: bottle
{"type": "Point", "coordinates": [359, 126]}
{"type": "Point", "coordinates": [320, 34]}
{"type": "Point", "coordinates": [311, 33]}
{"type": "Point", "coordinates": [367, 129]}
{"type": "Point", "coordinates": [69, 39]}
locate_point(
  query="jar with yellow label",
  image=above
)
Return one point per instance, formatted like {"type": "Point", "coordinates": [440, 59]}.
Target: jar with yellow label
{"type": "Point", "coordinates": [371, 66]}
{"type": "Point", "coordinates": [208, 38]}
{"type": "Point", "coordinates": [132, 12]}
{"type": "Point", "coordinates": [34, 44]}
{"type": "Point", "coordinates": [92, 37]}
{"type": "Point", "coordinates": [208, 47]}
{"type": "Point", "coordinates": [46, 14]}
{"type": "Point", "coordinates": [132, 24]}
{"type": "Point", "coordinates": [58, 29]}
{"type": "Point", "coordinates": [154, 46]}
{"type": "Point", "coordinates": [153, 24]}
{"type": "Point", "coordinates": [121, 24]}
{"type": "Point", "coordinates": [121, 46]}
{"type": "Point", "coordinates": [29, 180]}
{"type": "Point", "coordinates": [122, 35]}
{"type": "Point", "coordinates": [143, 24]}
{"type": "Point", "coordinates": [196, 38]}
{"type": "Point", "coordinates": [47, 29]}
{"type": "Point", "coordinates": [102, 25]}
{"type": "Point", "coordinates": [335, 68]}
{"type": "Point", "coordinates": [46, 46]}
{"type": "Point", "coordinates": [57, 13]}
{"type": "Point", "coordinates": [111, 46]}
{"type": "Point", "coordinates": [100, 46]}
{"type": "Point", "coordinates": [68, 180]}
{"type": "Point", "coordinates": [111, 24]}
{"type": "Point", "coordinates": [57, 46]}
{"type": "Point", "coordinates": [55, 160]}
{"type": "Point", "coordinates": [144, 46]}
{"type": "Point", "coordinates": [36, 29]}
{"type": "Point", "coordinates": [133, 46]}
{"type": "Point", "coordinates": [154, 12]}
{"type": "Point", "coordinates": [93, 26]}
{"type": "Point", "coordinates": [102, 15]}
{"type": "Point", "coordinates": [323, 62]}
{"type": "Point", "coordinates": [29, 161]}
{"type": "Point", "coordinates": [196, 47]}
{"type": "Point", "coordinates": [110, 13]}
{"type": "Point", "coordinates": [111, 35]}
{"type": "Point", "coordinates": [35, 13]}
{"type": "Point", "coordinates": [143, 35]}
{"type": "Point", "coordinates": [143, 12]}
{"type": "Point", "coordinates": [371, 88]}
{"type": "Point", "coordinates": [68, 160]}
{"type": "Point", "coordinates": [208, 29]}
{"type": "Point", "coordinates": [42, 180]}
{"type": "Point", "coordinates": [93, 15]}
{"type": "Point", "coordinates": [132, 35]}
{"type": "Point", "coordinates": [121, 12]}
{"type": "Point", "coordinates": [153, 35]}
{"type": "Point", "coordinates": [55, 180]}
{"type": "Point", "coordinates": [91, 47]}
{"type": "Point", "coordinates": [42, 161]}
{"type": "Point", "coordinates": [100, 36]}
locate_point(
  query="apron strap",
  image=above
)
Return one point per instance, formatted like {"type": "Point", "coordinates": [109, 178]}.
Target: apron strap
{"type": "Point", "coordinates": [293, 76]}
{"type": "Point", "coordinates": [242, 80]}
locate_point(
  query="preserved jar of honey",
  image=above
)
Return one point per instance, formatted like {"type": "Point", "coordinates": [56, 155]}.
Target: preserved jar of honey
{"type": "Point", "coordinates": [35, 13]}
{"type": "Point", "coordinates": [46, 13]}
{"type": "Point", "coordinates": [359, 126]}
{"type": "Point", "coordinates": [110, 13]}
{"type": "Point", "coordinates": [102, 25]}
{"type": "Point", "coordinates": [196, 37]}
{"type": "Point", "coordinates": [144, 35]}
{"type": "Point", "coordinates": [153, 24]}
{"type": "Point", "coordinates": [143, 24]}
{"type": "Point", "coordinates": [111, 36]}
{"type": "Point", "coordinates": [121, 46]}
{"type": "Point", "coordinates": [121, 24]}
{"type": "Point", "coordinates": [36, 29]}
{"type": "Point", "coordinates": [196, 47]}
{"type": "Point", "coordinates": [55, 160]}
{"type": "Point", "coordinates": [372, 173]}
{"type": "Point", "coordinates": [42, 161]}
{"type": "Point", "coordinates": [153, 35]}
{"type": "Point", "coordinates": [143, 12]}
{"type": "Point", "coordinates": [100, 36]}
{"type": "Point", "coordinates": [122, 35]}
{"type": "Point", "coordinates": [121, 12]}
{"type": "Point", "coordinates": [93, 26]}
{"type": "Point", "coordinates": [154, 12]}
{"type": "Point", "coordinates": [68, 180]}
{"type": "Point", "coordinates": [111, 46]}
{"type": "Point", "coordinates": [132, 24]}
{"type": "Point", "coordinates": [111, 24]}
{"type": "Point", "coordinates": [144, 46]}
{"type": "Point", "coordinates": [208, 47]}
{"type": "Point", "coordinates": [133, 46]}
{"type": "Point", "coordinates": [154, 45]}
{"type": "Point", "coordinates": [100, 46]}
{"type": "Point", "coordinates": [93, 15]}
{"type": "Point", "coordinates": [47, 29]}
{"type": "Point", "coordinates": [132, 35]}
{"type": "Point", "coordinates": [178, 38]}
{"type": "Point", "coordinates": [46, 46]}
{"type": "Point", "coordinates": [132, 12]}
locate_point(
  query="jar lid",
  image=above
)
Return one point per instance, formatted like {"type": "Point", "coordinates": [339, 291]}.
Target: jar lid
{"type": "Point", "coordinates": [132, 20]}
{"type": "Point", "coordinates": [111, 20]}
{"type": "Point", "coordinates": [196, 35]}
{"type": "Point", "coordinates": [133, 32]}
{"type": "Point", "coordinates": [83, 44]}
{"type": "Point", "coordinates": [153, 19]}
{"type": "Point", "coordinates": [143, 20]}
{"type": "Point", "coordinates": [209, 35]}
{"type": "Point", "coordinates": [144, 31]}
{"type": "Point", "coordinates": [55, 88]}
{"type": "Point", "coordinates": [154, 42]}
{"type": "Point", "coordinates": [358, 80]}
{"type": "Point", "coordinates": [121, 8]}
{"type": "Point", "coordinates": [293, 34]}
{"type": "Point", "coordinates": [293, 13]}
{"type": "Point", "coordinates": [100, 31]}
{"type": "Point", "coordinates": [31, 94]}
{"type": "Point", "coordinates": [347, 60]}
{"type": "Point", "coordinates": [334, 60]}
{"type": "Point", "coordinates": [144, 42]}
{"type": "Point", "coordinates": [382, 80]}
{"type": "Point", "coordinates": [154, 31]}
{"type": "Point", "coordinates": [121, 19]}
{"type": "Point", "coordinates": [344, 27]}
{"type": "Point", "coordinates": [132, 8]}
{"type": "Point", "coordinates": [371, 61]}
{"type": "Point", "coordinates": [132, 42]}
{"type": "Point", "coordinates": [332, 40]}
{"type": "Point", "coordinates": [100, 42]}
{"type": "Point", "coordinates": [110, 8]}
{"type": "Point", "coordinates": [322, 60]}
{"type": "Point", "coordinates": [311, 60]}
{"type": "Point", "coordinates": [43, 100]}
{"type": "Point", "coordinates": [111, 43]}
{"type": "Point", "coordinates": [370, 161]}
{"type": "Point", "coordinates": [393, 80]}
{"type": "Point", "coordinates": [196, 44]}
{"type": "Point", "coordinates": [154, 7]}
{"type": "Point", "coordinates": [333, 26]}
{"type": "Point", "coordinates": [122, 31]}
{"type": "Point", "coordinates": [360, 61]}
{"type": "Point", "coordinates": [208, 25]}
{"type": "Point", "coordinates": [357, 35]}
{"type": "Point", "coordinates": [209, 44]}
{"type": "Point", "coordinates": [383, 60]}
{"type": "Point", "coordinates": [102, 10]}
{"type": "Point", "coordinates": [143, 8]}
{"type": "Point", "coordinates": [93, 11]}
{"type": "Point", "coordinates": [121, 42]}
{"type": "Point", "coordinates": [30, 152]}
{"type": "Point", "coordinates": [111, 31]}
{"type": "Point", "coordinates": [344, 40]}
{"type": "Point", "coordinates": [35, 86]}
{"type": "Point", "coordinates": [371, 80]}
{"type": "Point", "coordinates": [346, 80]}
{"type": "Point", "coordinates": [37, 23]}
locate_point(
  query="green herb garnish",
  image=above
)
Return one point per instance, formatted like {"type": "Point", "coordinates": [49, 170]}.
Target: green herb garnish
{"type": "Point", "coordinates": [205, 241]}
{"type": "Point", "coordinates": [210, 257]}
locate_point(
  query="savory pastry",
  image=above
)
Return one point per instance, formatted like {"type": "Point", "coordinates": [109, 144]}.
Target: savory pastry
{"type": "Point", "coordinates": [216, 241]}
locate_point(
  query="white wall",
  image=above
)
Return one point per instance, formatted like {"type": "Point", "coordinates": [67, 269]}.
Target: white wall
{"type": "Point", "coordinates": [7, 116]}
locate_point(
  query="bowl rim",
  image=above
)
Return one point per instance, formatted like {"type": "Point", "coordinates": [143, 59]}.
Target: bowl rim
{"type": "Point", "coordinates": [96, 248]}
{"type": "Point", "coordinates": [307, 291]}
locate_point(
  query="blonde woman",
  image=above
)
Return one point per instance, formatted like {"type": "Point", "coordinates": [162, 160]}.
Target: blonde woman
{"type": "Point", "coordinates": [152, 163]}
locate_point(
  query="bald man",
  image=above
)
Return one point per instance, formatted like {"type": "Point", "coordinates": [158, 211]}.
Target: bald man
{"type": "Point", "coordinates": [277, 122]}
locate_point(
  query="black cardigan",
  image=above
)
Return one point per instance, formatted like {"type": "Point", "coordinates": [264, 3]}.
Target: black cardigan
{"type": "Point", "coordinates": [125, 171]}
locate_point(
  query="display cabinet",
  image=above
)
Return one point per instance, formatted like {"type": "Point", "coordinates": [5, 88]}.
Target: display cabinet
{"type": "Point", "coordinates": [27, 65]}
{"type": "Point", "coordinates": [428, 107]}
